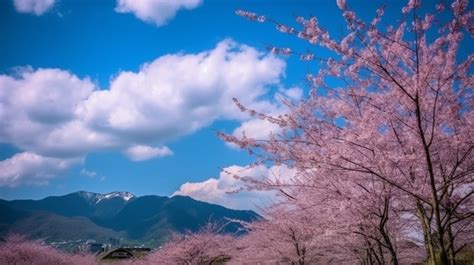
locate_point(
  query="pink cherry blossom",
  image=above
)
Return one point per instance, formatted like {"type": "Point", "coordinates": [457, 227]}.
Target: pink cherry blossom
{"type": "Point", "coordinates": [386, 161]}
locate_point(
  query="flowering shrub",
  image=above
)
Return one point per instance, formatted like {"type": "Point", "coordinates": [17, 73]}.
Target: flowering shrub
{"type": "Point", "coordinates": [18, 251]}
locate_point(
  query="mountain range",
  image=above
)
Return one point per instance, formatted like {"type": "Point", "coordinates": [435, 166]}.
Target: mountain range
{"type": "Point", "coordinates": [146, 220]}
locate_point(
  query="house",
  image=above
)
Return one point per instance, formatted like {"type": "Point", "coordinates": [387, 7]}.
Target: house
{"type": "Point", "coordinates": [123, 253]}
{"type": "Point", "coordinates": [95, 247]}
{"type": "Point", "coordinates": [91, 246]}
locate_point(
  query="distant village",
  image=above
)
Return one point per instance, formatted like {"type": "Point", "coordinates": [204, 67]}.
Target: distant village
{"type": "Point", "coordinates": [111, 250]}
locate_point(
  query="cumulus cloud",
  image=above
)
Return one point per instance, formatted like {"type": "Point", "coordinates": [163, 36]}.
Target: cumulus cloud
{"type": "Point", "coordinates": [181, 93]}
{"type": "Point", "coordinates": [222, 190]}
{"type": "Point", "coordinates": [31, 168]}
{"type": "Point", "coordinates": [256, 129]}
{"type": "Point", "coordinates": [37, 7]}
{"type": "Point", "coordinates": [53, 113]}
{"type": "Point", "coordinates": [157, 12]}
{"type": "Point", "coordinates": [261, 129]}
{"type": "Point", "coordinates": [38, 110]}
{"type": "Point", "coordinates": [293, 93]}
{"type": "Point", "coordinates": [142, 152]}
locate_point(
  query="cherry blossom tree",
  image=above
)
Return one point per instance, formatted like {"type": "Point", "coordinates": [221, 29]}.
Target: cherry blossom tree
{"type": "Point", "coordinates": [398, 125]}
{"type": "Point", "coordinates": [19, 251]}
{"type": "Point", "coordinates": [279, 240]}
{"type": "Point", "coordinates": [333, 222]}
{"type": "Point", "coordinates": [289, 236]}
{"type": "Point", "coordinates": [207, 246]}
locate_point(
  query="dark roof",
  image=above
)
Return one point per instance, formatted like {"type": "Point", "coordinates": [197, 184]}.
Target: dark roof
{"type": "Point", "coordinates": [124, 253]}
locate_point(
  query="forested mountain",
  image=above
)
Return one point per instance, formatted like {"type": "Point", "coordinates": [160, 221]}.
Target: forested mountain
{"type": "Point", "coordinates": [120, 215]}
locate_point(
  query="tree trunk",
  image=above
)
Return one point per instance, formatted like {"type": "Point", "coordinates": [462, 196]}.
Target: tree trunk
{"type": "Point", "coordinates": [425, 225]}
{"type": "Point", "coordinates": [434, 193]}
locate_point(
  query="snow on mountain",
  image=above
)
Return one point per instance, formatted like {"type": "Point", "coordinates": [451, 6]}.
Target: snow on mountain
{"type": "Point", "coordinates": [94, 198]}
{"type": "Point", "coordinates": [126, 196]}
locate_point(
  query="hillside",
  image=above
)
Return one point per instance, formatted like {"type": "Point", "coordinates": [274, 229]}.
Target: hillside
{"type": "Point", "coordinates": [84, 215]}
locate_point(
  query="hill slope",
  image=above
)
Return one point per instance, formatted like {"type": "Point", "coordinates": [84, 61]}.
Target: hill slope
{"type": "Point", "coordinates": [120, 215]}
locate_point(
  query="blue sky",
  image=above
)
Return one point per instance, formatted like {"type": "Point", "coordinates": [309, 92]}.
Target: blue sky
{"type": "Point", "coordinates": [107, 95]}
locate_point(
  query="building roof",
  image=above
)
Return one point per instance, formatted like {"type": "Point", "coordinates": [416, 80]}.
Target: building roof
{"type": "Point", "coordinates": [124, 253]}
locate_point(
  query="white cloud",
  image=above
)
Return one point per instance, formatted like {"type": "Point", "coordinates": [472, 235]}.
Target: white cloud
{"type": "Point", "coordinates": [181, 93]}
{"type": "Point", "coordinates": [53, 113]}
{"type": "Point", "coordinates": [142, 152]}
{"type": "Point", "coordinates": [261, 129]}
{"type": "Point", "coordinates": [38, 112]}
{"type": "Point", "coordinates": [293, 93]}
{"type": "Point", "coordinates": [222, 190]}
{"type": "Point", "coordinates": [158, 12]}
{"type": "Point", "coordinates": [256, 129]}
{"type": "Point", "coordinates": [92, 174]}
{"type": "Point", "coordinates": [37, 7]}
{"type": "Point", "coordinates": [31, 168]}
{"type": "Point", "coordinates": [88, 173]}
